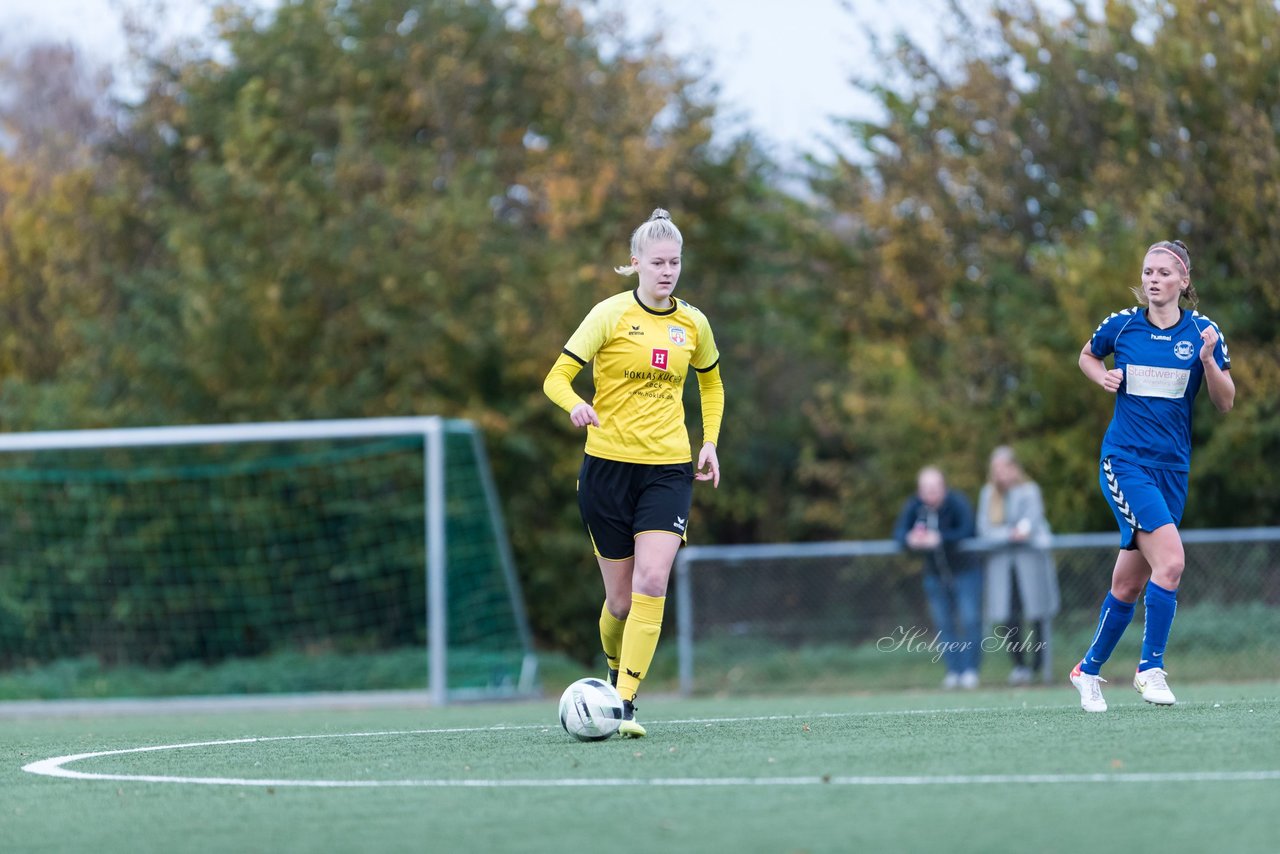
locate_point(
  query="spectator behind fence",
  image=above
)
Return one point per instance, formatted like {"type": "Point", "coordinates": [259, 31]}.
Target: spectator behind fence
{"type": "Point", "coordinates": [1021, 583]}
{"type": "Point", "coordinates": [933, 522]}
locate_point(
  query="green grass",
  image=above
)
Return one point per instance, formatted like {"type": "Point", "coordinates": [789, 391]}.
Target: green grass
{"type": "Point", "coordinates": [1210, 642]}
{"type": "Point", "coordinates": [285, 672]}
{"type": "Point", "coordinates": [1216, 727]}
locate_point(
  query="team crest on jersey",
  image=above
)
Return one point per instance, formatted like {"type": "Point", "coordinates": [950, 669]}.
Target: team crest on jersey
{"type": "Point", "coordinates": [1184, 350]}
{"type": "Point", "coordinates": [659, 359]}
{"type": "Point", "coordinates": [677, 335]}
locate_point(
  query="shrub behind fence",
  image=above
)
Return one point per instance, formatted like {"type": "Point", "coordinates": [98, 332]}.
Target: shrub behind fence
{"type": "Point", "coordinates": [852, 615]}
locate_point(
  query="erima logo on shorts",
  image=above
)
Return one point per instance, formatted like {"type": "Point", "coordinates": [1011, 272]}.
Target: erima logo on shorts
{"type": "Point", "coordinates": [679, 524]}
{"type": "Point", "coordinates": [659, 359]}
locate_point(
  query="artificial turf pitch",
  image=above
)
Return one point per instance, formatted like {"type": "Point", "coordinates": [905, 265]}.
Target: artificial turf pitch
{"type": "Point", "coordinates": [1019, 770]}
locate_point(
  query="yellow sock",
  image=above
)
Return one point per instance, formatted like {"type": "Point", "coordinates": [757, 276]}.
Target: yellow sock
{"type": "Point", "coordinates": [639, 640]}
{"type": "Point", "coordinates": [611, 636]}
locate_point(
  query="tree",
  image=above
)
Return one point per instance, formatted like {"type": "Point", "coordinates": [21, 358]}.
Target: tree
{"type": "Point", "coordinates": [1011, 190]}
{"type": "Point", "coordinates": [62, 238]}
{"type": "Point", "coordinates": [405, 207]}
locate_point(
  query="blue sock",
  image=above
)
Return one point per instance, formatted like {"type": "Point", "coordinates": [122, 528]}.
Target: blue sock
{"type": "Point", "coordinates": [1112, 622]}
{"type": "Point", "coordinates": [1161, 606]}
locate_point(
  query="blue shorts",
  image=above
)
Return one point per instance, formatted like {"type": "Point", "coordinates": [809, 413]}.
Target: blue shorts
{"type": "Point", "coordinates": [1142, 498]}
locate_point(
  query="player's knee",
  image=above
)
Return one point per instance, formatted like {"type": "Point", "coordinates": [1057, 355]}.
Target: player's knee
{"type": "Point", "coordinates": [650, 580]}
{"type": "Point", "coordinates": [618, 605]}
{"type": "Point", "coordinates": [1126, 589]}
{"type": "Point", "coordinates": [1169, 574]}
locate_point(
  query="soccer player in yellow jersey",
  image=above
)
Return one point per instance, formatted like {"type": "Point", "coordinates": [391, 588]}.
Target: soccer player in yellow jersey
{"type": "Point", "coordinates": [636, 483]}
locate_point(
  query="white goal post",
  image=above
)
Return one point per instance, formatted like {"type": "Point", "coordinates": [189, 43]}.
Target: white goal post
{"type": "Point", "coordinates": [433, 431]}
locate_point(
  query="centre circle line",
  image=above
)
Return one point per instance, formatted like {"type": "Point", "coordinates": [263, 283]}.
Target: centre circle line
{"type": "Point", "coordinates": [56, 766]}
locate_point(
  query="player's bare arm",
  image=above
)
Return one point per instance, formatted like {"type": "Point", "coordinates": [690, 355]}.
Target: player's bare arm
{"type": "Point", "coordinates": [1096, 370]}
{"type": "Point", "coordinates": [1222, 389]}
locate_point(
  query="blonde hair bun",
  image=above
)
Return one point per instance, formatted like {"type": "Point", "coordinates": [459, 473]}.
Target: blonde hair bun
{"type": "Point", "coordinates": [657, 227]}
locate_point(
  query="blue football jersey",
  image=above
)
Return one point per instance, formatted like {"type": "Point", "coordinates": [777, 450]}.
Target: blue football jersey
{"type": "Point", "coordinates": [1162, 375]}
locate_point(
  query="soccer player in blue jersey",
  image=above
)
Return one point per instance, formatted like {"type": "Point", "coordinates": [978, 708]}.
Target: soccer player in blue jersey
{"type": "Point", "coordinates": [1162, 354]}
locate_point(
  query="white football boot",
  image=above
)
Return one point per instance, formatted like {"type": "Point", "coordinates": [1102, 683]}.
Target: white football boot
{"type": "Point", "coordinates": [1090, 688]}
{"type": "Point", "coordinates": [1152, 686]}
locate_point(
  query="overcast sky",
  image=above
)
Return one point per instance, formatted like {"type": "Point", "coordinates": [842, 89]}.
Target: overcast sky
{"type": "Point", "coordinates": [783, 67]}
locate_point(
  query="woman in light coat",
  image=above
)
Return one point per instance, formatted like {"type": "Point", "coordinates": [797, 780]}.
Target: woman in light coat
{"type": "Point", "coordinates": [1021, 581]}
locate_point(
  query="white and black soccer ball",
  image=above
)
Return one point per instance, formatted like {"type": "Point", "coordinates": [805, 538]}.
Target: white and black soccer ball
{"type": "Point", "coordinates": [590, 710]}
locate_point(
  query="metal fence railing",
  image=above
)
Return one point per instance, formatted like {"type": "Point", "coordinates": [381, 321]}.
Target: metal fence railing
{"type": "Point", "coordinates": [756, 618]}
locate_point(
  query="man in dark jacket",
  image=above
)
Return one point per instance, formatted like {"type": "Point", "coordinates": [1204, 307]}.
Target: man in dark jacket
{"type": "Point", "coordinates": [932, 524]}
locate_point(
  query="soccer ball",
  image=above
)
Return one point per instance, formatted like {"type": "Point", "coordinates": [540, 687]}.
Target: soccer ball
{"type": "Point", "coordinates": [590, 710]}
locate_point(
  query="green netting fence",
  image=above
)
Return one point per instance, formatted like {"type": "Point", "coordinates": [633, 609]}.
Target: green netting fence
{"type": "Point", "coordinates": [270, 564]}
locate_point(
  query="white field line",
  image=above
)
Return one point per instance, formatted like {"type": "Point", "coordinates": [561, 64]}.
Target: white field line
{"type": "Point", "coordinates": [56, 766]}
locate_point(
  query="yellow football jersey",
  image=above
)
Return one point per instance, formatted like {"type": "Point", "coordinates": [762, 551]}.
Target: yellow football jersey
{"type": "Point", "coordinates": [642, 357]}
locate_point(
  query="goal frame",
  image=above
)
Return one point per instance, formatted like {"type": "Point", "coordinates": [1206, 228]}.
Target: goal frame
{"type": "Point", "coordinates": [432, 429]}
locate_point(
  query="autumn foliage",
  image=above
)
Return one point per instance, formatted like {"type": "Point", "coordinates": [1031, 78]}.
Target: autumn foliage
{"type": "Point", "coordinates": [401, 207]}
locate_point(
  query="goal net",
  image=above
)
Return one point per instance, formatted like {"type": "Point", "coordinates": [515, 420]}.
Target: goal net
{"type": "Point", "coordinates": [309, 556]}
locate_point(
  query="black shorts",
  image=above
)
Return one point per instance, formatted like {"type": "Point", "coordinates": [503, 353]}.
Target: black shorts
{"type": "Point", "coordinates": [620, 500]}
